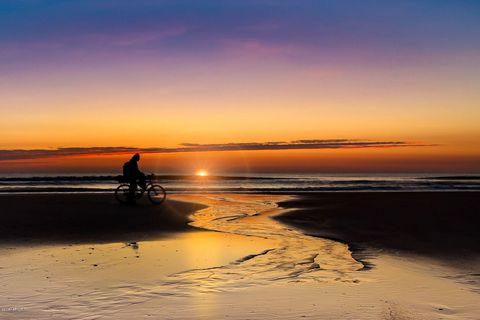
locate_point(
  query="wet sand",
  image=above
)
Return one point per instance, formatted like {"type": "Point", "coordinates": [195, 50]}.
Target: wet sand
{"type": "Point", "coordinates": [442, 225]}
{"type": "Point", "coordinates": [57, 218]}
{"type": "Point", "coordinates": [233, 260]}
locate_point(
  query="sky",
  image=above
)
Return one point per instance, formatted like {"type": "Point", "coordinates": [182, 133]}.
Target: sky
{"type": "Point", "coordinates": [370, 86]}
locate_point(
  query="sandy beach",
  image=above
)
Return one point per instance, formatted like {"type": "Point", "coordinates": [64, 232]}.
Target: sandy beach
{"type": "Point", "coordinates": [39, 218]}
{"type": "Point", "coordinates": [323, 256]}
{"type": "Point", "coordinates": [441, 225]}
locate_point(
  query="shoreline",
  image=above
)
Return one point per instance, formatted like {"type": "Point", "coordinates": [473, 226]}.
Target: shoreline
{"type": "Point", "coordinates": [253, 192]}
{"type": "Point", "coordinates": [438, 225]}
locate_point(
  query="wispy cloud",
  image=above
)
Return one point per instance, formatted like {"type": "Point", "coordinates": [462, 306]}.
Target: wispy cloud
{"type": "Point", "coordinates": [133, 38]}
{"type": "Point", "coordinates": [93, 39]}
{"type": "Point", "coordinates": [258, 48]}
{"type": "Point", "coordinates": [26, 154]}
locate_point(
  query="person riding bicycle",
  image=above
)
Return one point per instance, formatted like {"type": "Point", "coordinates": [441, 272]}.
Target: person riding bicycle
{"type": "Point", "coordinates": [131, 174]}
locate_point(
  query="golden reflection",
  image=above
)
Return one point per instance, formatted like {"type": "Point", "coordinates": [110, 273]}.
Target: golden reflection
{"type": "Point", "coordinates": [292, 256]}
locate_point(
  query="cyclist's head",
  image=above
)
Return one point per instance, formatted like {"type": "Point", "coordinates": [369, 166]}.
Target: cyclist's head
{"type": "Point", "coordinates": [136, 157]}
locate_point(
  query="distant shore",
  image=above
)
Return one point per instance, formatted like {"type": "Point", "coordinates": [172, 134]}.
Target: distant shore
{"type": "Point", "coordinates": [248, 183]}
{"type": "Point", "coordinates": [441, 225]}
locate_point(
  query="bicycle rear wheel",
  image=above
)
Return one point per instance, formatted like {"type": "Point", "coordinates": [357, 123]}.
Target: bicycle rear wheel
{"type": "Point", "coordinates": [122, 193]}
{"type": "Point", "coordinates": [156, 194]}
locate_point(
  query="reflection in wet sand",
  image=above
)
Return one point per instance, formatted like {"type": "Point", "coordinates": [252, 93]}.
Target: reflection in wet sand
{"type": "Point", "coordinates": [295, 258]}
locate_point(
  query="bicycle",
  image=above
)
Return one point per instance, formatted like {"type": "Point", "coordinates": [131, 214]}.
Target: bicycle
{"type": "Point", "coordinates": [156, 193]}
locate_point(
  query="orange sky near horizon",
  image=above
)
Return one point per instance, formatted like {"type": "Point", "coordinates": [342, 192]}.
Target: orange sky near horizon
{"type": "Point", "coordinates": [284, 102]}
{"type": "Point", "coordinates": [389, 105]}
{"type": "Point", "coordinates": [381, 160]}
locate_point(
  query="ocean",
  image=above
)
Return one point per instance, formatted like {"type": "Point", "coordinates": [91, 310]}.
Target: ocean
{"type": "Point", "coordinates": [253, 183]}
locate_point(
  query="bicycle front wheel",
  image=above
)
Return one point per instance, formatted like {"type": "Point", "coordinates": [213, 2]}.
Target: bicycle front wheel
{"type": "Point", "coordinates": [156, 194]}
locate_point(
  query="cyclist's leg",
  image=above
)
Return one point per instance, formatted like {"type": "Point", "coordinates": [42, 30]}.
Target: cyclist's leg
{"type": "Point", "coordinates": [142, 181]}
{"type": "Point", "coordinates": [133, 187]}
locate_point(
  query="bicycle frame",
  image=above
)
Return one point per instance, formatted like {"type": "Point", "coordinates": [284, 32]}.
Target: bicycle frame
{"type": "Point", "coordinates": [156, 193]}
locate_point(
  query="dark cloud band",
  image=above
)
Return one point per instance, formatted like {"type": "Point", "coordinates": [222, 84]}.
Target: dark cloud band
{"type": "Point", "coordinates": [25, 154]}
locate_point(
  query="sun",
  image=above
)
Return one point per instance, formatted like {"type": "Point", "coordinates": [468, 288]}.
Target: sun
{"type": "Point", "coordinates": [201, 173]}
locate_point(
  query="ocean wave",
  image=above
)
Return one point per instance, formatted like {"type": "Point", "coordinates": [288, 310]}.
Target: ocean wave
{"type": "Point", "coordinates": [453, 178]}
{"type": "Point", "coordinates": [116, 177]}
{"type": "Point", "coordinates": [246, 184]}
{"type": "Point", "coordinates": [246, 190]}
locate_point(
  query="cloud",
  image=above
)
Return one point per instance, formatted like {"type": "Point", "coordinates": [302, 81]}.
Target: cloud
{"type": "Point", "coordinates": [133, 38]}
{"type": "Point", "coordinates": [26, 154]}
{"type": "Point", "coordinates": [258, 48]}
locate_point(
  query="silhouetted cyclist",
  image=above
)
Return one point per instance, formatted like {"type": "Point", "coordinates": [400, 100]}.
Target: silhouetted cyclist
{"type": "Point", "coordinates": [132, 174]}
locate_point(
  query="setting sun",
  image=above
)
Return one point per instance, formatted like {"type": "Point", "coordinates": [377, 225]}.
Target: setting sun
{"type": "Point", "coordinates": [201, 173]}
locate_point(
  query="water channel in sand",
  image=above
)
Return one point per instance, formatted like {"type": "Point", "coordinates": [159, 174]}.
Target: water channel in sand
{"type": "Point", "coordinates": [295, 257]}
{"type": "Point", "coordinates": [246, 265]}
